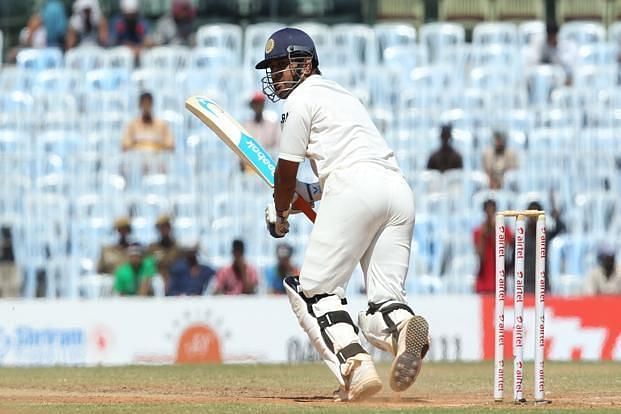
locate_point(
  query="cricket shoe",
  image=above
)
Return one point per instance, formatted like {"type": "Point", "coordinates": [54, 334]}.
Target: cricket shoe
{"type": "Point", "coordinates": [412, 346]}
{"type": "Point", "coordinates": [361, 379]}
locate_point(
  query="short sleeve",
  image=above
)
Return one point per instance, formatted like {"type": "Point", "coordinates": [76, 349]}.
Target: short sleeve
{"type": "Point", "coordinates": [121, 284]}
{"type": "Point", "coordinates": [149, 267]}
{"type": "Point", "coordinates": [296, 124]}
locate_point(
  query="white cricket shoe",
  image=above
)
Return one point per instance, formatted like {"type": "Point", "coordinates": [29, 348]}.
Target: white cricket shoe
{"type": "Point", "coordinates": [361, 379]}
{"type": "Point", "coordinates": [411, 349]}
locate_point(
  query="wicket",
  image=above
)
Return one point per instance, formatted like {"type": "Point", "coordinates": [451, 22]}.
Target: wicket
{"type": "Point", "coordinates": [518, 293]}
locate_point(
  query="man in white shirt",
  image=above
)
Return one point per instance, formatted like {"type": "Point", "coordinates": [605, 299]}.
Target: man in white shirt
{"type": "Point", "coordinates": [366, 216]}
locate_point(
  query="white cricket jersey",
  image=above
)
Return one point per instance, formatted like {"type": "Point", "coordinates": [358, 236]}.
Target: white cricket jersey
{"type": "Point", "coordinates": [325, 123]}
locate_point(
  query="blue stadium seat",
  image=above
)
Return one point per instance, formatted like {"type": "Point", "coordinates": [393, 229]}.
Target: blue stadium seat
{"type": "Point", "coordinates": [39, 59]}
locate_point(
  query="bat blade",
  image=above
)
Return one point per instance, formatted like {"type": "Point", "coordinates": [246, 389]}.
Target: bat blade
{"type": "Point", "coordinates": [240, 142]}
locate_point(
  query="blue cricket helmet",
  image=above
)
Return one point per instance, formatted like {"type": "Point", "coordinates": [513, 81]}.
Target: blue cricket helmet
{"type": "Point", "coordinates": [288, 42]}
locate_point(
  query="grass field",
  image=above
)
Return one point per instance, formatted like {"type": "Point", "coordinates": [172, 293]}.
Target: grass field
{"type": "Point", "coordinates": [462, 387]}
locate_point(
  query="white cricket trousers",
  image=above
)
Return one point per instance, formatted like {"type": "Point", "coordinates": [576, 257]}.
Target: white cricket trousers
{"type": "Point", "coordinates": [366, 216]}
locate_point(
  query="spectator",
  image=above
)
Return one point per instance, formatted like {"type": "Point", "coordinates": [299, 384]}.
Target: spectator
{"type": "Point", "coordinates": [176, 28]}
{"type": "Point", "coordinates": [147, 132]}
{"type": "Point", "coordinates": [9, 273]}
{"type": "Point", "coordinates": [55, 22]}
{"type": "Point", "coordinates": [239, 277]}
{"type": "Point", "coordinates": [129, 29]}
{"type": "Point", "coordinates": [134, 276]}
{"type": "Point", "coordinates": [114, 255]}
{"type": "Point", "coordinates": [551, 53]}
{"type": "Point", "coordinates": [188, 276]}
{"type": "Point", "coordinates": [34, 34]}
{"type": "Point", "coordinates": [605, 277]}
{"type": "Point", "coordinates": [530, 249]}
{"type": "Point", "coordinates": [484, 242]}
{"type": "Point", "coordinates": [266, 131]}
{"type": "Point", "coordinates": [498, 159]}
{"type": "Point", "coordinates": [87, 25]}
{"type": "Point", "coordinates": [283, 268]}
{"type": "Point", "coordinates": [165, 250]}
{"type": "Point", "coordinates": [446, 157]}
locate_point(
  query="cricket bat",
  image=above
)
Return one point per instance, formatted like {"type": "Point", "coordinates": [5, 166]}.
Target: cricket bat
{"type": "Point", "coordinates": [239, 140]}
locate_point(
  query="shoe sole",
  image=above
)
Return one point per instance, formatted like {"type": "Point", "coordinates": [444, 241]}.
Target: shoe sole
{"type": "Point", "coordinates": [406, 366]}
{"type": "Point", "coordinates": [365, 390]}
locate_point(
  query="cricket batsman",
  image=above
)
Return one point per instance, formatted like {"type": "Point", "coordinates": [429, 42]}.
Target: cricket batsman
{"type": "Point", "coordinates": [366, 216]}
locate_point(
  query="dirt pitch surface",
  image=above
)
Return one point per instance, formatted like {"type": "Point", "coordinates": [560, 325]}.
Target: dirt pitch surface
{"type": "Point", "coordinates": [441, 387]}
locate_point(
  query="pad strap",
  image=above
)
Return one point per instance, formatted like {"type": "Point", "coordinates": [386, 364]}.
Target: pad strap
{"type": "Point", "coordinates": [332, 318]}
{"type": "Point", "coordinates": [349, 351]}
{"type": "Point", "coordinates": [328, 319]}
{"type": "Point", "coordinates": [385, 311]}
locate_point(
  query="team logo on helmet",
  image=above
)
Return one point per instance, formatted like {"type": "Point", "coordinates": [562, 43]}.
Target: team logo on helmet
{"type": "Point", "coordinates": [269, 46]}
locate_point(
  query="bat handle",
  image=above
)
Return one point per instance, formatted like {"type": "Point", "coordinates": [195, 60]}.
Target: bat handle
{"type": "Point", "coordinates": [305, 207]}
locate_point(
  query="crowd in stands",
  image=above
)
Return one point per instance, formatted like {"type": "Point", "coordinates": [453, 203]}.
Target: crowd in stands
{"type": "Point", "coordinates": [413, 99]}
{"type": "Point", "coordinates": [88, 26]}
{"type": "Point", "coordinates": [179, 268]}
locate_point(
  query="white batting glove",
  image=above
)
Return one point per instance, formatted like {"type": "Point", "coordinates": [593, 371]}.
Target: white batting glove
{"type": "Point", "coordinates": [277, 225]}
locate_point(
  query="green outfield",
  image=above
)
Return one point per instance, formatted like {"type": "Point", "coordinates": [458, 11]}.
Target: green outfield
{"type": "Point", "coordinates": [462, 387]}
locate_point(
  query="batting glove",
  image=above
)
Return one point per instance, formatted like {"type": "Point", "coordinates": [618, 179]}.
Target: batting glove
{"type": "Point", "coordinates": [277, 225]}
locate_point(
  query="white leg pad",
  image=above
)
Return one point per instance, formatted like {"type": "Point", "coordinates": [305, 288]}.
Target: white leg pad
{"type": "Point", "coordinates": [310, 325]}
{"type": "Point", "coordinates": [375, 328]}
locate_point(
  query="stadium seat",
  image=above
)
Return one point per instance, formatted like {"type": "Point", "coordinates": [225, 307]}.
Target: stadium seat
{"type": "Point", "coordinates": [405, 58]}
{"type": "Point", "coordinates": [107, 80]}
{"type": "Point", "coordinates": [487, 34]}
{"type": "Point", "coordinates": [532, 36]}
{"type": "Point", "coordinates": [44, 236]}
{"type": "Point", "coordinates": [462, 271]}
{"type": "Point", "coordinates": [16, 111]}
{"type": "Point", "coordinates": [210, 58]}
{"type": "Point", "coordinates": [95, 286]}
{"type": "Point", "coordinates": [581, 33]}
{"type": "Point", "coordinates": [354, 44]}
{"type": "Point", "coordinates": [596, 213]}
{"type": "Point", "coordinates": [120, 58]}
{"type": "Point", "coordinates": [567, 255]}
{"type": "Point", "coordinates": [393, 34]}
{"type": "Point", "coordinates": [384, 86]}
{"type": "Point", "coordinates": [14, 79]}
{"type": "Point", "coordinates": [596, 77]}
{"type": "Point", "coordinates": [84, 58]}
{"type": "Point", "coordinates": [600, 54]}
{"type": "Point", "coordinates": [39, 59]}
{"type": "Point", "coordinates": [440, 38]}
{"type": "Point", "coordinates": [169, 59]}
{"type": "Point", "coordinates": [498, 58]}
{"type": "Point", "coordinates": [541, 80]}
{"type": "Point", "coordinates": [58, 80]}
{"type": "Point", "coordinates": [434, 84]}
{"type": "Point", "coordinates": [222, 36]}
{"type": "Point", "coordinates": [614, 32]}
{"type": "Point", "coordinates": [155, 80]}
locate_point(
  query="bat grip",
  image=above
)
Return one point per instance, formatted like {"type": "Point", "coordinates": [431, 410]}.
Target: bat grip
{"type": "Point", "coordinates": [305, 207]}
